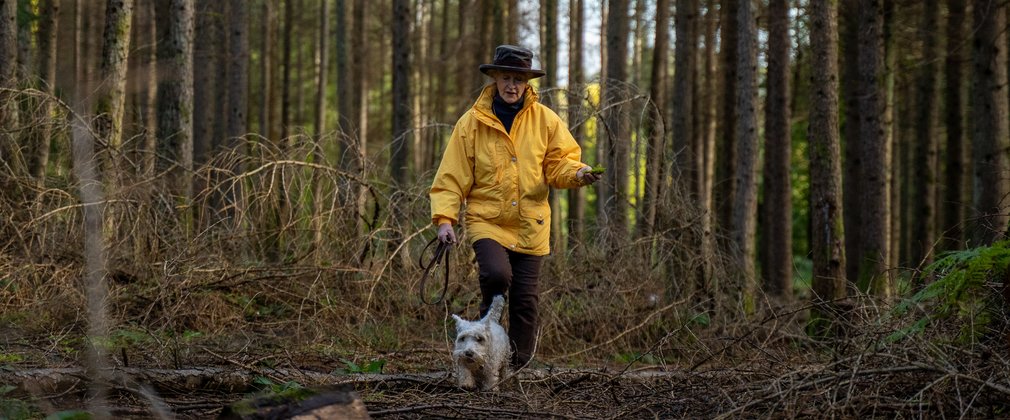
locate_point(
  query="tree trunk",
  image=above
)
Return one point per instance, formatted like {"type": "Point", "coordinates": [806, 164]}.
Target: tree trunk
{"type": "Point", "coordinates": [48, 28]}
{"type": "Point", "coordinates": [401, 118]}
{"type": "Point", "coordinates": [924, 151]}
{"type": "Point", "coordinates": [777, 226]}
{"type": "Point", "coordinates": [655, 159]}
{"type": "Point", "coordinates": [238, 72]}
{"type": "Point", "coordinates": [827, 249]}
{"type": "Point", "coordinates": [9, 154]}
{"type": "Point", "coordinates": [874, 200]}
{"type": "Point", "coordinates": [726, 150]}
{"type": "Point", "coordinates": [289, 23]}
{"type": "Point", "coordinates": [576, 197]}
{"type": "Point", "coordinates": [108, 124]}
{"type": "Point", "coordinates": [849, 11]}
{"type": "Point", "coordinates": [683, 158]}
{"type": "Point", "coordinates": [614, 95]}
{"type": "Point", "coordinates": [175, 97]}
{"type": "Point", "coordinates": [143, 79]}
{"type": "Point", "coordinates": [989, 122]}
{"type": "Point", "coordinates": [744, 221]}
{"type": "Point", "coordinates": [955, 177]}
{"type": "Point", "coordinates": [207, 95]}
{"type": "Point", "coordinates": [266, 70]}
{"type": "Point", "coordinates": [322, 54]}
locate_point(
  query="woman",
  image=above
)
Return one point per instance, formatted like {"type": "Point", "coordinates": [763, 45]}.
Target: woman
{"type": "Point", "coordinates": [503, 155]}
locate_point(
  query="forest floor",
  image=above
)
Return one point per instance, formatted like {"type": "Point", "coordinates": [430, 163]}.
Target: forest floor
{"type": "Point", "coordinates": [740, 377]}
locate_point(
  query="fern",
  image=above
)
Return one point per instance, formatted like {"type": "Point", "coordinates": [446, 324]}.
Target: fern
{"type": "Point", "coordinates": [959, 291]}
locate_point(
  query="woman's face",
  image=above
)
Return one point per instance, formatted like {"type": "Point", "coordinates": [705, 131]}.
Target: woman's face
{"type": "Point", "coordinates": [511, 85]}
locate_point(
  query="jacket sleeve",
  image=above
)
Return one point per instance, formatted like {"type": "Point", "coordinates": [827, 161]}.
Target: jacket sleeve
{"type": "Point", "coordinates": [564, 156]}
{"type": "Point", "coordinates": [454, 178]}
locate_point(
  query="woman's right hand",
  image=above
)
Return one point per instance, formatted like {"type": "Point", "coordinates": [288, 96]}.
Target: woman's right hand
{"type": "Point", "coordinates": [446, 234]}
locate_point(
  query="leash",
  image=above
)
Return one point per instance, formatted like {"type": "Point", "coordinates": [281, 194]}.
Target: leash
{"type": "Point", "coordinates": [441, 252]}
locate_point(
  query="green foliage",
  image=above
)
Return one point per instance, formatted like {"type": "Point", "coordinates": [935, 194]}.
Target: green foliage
{"type": "Point", "coordinates": [13, 408]}
{"type": "Point", "coordinates": [373, 366]}
{"type": "Point", "coordinates": [960, 291]}
{"type": "Point", "coordinates": [70, 415]}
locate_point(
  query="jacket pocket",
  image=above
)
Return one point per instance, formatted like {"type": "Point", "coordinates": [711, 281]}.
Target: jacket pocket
{"type": "Point", "coordinates": [486, 211]}
{"type": "Point", "coordinates": [535, 226]}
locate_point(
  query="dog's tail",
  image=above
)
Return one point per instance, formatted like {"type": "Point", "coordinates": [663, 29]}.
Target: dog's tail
{"type": "Point", "coordinates": [495, 311]}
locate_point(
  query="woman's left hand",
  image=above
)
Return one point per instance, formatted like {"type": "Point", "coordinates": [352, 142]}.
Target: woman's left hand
{"type": "Point", "coordinates": [586, 177]}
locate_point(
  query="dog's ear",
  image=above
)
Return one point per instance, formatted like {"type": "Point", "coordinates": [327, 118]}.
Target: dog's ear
{"type": "Point", "coordinates": [459, 321]}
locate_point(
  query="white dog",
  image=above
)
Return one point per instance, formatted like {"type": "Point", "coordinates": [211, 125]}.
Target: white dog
{"type": "Point", "coordinates": [482, 349]}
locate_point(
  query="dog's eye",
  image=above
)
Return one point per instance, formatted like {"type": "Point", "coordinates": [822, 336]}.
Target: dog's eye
{"type": "Point", "coordinates": [480, 339]}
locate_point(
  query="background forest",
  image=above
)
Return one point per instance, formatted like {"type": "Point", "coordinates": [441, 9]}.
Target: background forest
{"type": "Point", "coordinates": [803, 211]}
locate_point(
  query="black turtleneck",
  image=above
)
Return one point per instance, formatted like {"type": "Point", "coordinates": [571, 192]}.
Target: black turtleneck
{"type": "Point", "coordinates": [505, 111]}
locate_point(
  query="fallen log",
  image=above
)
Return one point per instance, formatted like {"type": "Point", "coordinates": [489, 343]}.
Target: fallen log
{"type": "Point", "coordinates": [51, 381]}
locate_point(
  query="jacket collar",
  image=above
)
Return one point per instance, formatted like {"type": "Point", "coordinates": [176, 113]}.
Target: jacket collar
{"type": "Point", "coordinates": [482, 108]}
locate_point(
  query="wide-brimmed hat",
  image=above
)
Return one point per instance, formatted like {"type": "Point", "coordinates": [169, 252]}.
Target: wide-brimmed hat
{"type": "Point", "coordinates": [512, 58]}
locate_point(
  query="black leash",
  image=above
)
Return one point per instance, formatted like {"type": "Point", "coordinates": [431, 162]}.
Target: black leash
{"type": "Point", "coordinates": [441, 251]}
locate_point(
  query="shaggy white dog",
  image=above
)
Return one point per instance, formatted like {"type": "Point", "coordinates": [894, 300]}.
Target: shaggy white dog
{"type": "Point", "coordinates": [482, 349]}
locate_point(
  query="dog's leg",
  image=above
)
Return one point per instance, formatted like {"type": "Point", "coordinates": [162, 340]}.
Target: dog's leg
{"type": "Point", "coordinates": [465, 378]}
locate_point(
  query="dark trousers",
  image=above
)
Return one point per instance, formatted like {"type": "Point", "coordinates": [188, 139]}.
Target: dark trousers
{"type": "Point", "coordinates": [513, 275]}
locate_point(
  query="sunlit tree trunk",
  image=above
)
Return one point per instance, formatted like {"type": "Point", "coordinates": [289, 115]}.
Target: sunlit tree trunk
{"type": "Point", "coordinates": [827, 239]}
{"type": "Point", "coordinates": [108, 123]}
{"type": "Point", "coordinates": [777, 231]}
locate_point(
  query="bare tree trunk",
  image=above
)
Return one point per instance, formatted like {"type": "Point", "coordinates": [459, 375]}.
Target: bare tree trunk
{"type": "Point", "coordinates": [683, 159]}
{"type": "Point", "coordinates": [955, 179]}
{"type": "Point", "coordinates": [400, 145]}
{"type": "Point", "coordinates": [108, 122]}
{"type": "Point", "coordinates": [924, 153]}
{"type": "Point", "coordinates": [777, 226]}
{"type": "Point", "coordinates": [320, 125]}
{"type": "Point", "coordinates": [576, 197]}
{"type": "Point", "coordinates": [9, 154]}
{"type": "Point", "coordinates": [874, 200]}
{"type": "Point", "coordinates": [322, 54]}
{"type": "Point", "coordinates": [827, 242]}
{"type": "Point", "coordinates": [614, 94]}
{"type": "Point", "coordinates": [513, 21]}
{"type": "Point", "coordinates": [655, 159]}
{"type": "Point", "coordinates": [175, 97]}
{"type": "Point", "coordinates": [989, 121]}
{"type": "Point", "coordinates": [289, 23]}
{"type": "Point", "coordinates": [208, 33]}
{"type": "Point", "coordinates": [744, 221]}
{"type": "Point", "coordinates": [48, 28]}
{"type": "Point", "coordinates": [143, 79]}
{"type": "Point", "coordinates": [849, 11]}
{"type": "Point", "coordinates": [726, 150]}
{"type": "Point", "coordinates": [238, 72]}
{"type": "Point", "coordinates": [266, 70]}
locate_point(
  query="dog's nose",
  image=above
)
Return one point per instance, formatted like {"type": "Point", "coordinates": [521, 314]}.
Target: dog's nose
{"type": "Point", "coordinates": [468, 353]}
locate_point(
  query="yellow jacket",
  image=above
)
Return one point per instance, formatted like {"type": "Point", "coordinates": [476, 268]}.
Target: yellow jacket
{"type": "Point", "coordinates": [503, 177]}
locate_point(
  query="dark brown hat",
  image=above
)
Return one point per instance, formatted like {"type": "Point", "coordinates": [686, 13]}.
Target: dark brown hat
{"type": "Point", "coordinates": [512, 58]}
